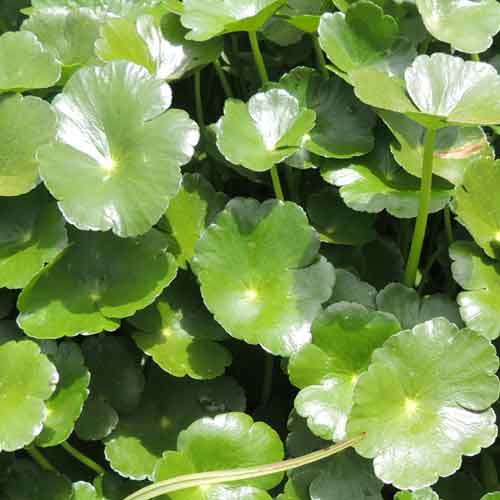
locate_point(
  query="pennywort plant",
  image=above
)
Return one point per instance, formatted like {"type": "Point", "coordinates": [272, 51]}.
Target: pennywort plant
{"type": "Point", "coordinates": [249, 249]}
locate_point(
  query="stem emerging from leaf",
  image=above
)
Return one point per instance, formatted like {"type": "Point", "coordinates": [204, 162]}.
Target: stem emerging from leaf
{"type": "Point", "coordinates": [40, 459]}
{"type": "Point", "coordinates": [423, 211]}
{"type": "Point", "coordinates": [88, 462]}
{"type": "Point", "coordinates": [221, 477]}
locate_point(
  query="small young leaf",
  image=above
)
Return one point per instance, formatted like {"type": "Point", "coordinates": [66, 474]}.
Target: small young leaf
{"type": "Point", "coordinates": [180, 334]}
{"type": "Point", "coordinates": [191, 210]}
{"type": "Point", "coordinates": [26, 123]}
{"type": "Point", "coordinates": [115, 138]}
{"type": "Point", "coordinates": [140, 439]}
{"type": "Point", "coordinates": [423, 494]}
{"type": "Point", "coordinates": [31, 236]}
{"type": "Point", "coordinates": [479, 276]}
{"type": "Point", "coordinates": [467, 26]}
{"type": "Point", "coordinates": [227, 441]}
{"type": "Point", "coordinates": [209, 18]}
{"type": "Point", "coordinates": [25, 63]}
{"type": "Point", "coordinates": [98, 280]}
{"type": "Point", "coordinates": [426, 396]}
{"type": "Point", "coordinates": [28, 380]}
{"type": "Point", "coordinates": [343, 339]}
{"type": "Point", "coordinates": [65, 405]}
{"type": "Point", "coordinates": [246, 271]}
{"type": "Point", "coordinates": [84, 491]}
{"type": "Point", "coordinates": [271, 127]}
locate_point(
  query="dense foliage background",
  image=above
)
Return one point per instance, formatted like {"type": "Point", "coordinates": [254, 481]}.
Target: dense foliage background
{"type": "Point", "coordinates": [234, 232]}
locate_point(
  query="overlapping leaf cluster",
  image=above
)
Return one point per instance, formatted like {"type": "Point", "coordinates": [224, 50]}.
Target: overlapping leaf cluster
{"type": "Point", "coordinates": [193, 190]}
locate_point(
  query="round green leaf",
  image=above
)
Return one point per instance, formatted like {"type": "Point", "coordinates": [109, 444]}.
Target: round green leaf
{"type": "Point", "coordinates": [304, 14]}
{"type": "Point", "coordinates": [209, 18]}
{"type": "Point", "coordinates": [353, 44]}
{"type": "Point", "coordinates": [336, 223]}
{"type": "Point", "coordinates": [349, 288]}
{"type": "Point", "coordinates": [259, 134]}
{"type": "Point", "coordinates": [104, 8]}
{"type": "Point", "coordinates": [26, 63]}
{"type": "Point", "coordinates": [168, 406]}
{"type": "Point", "coordinates": [467, 26]}
{"type": "Point", "coordinates": [95, 282]}
{"type": "Point", "coordinates": [456, 150]}
{"type": "Point", "coordinates": [253, 257]}
{"type": "Point", "coordinates": [227, 441]}
{"type": "Point", "coordinates": [492, 496]}
{"type": "Point", "coordinates": [117, 144]}
{"type": "Point", "coordinates": [31, 236]}
{"type": "Point", "coordinates": [26, 123]}
{"type": "Point", "coordinates": [343, 339]}
{"type": "Point", "coordinates": [191, 210]}
{"type": "Point", "coordinates": [343, 124]}
{"type": "Point", "coordinates": [423, 494]}
{"type": "Point", "coordinates": [84, 491]}
{"type": "Point", "coordinates": [65, 405]}
{"type": "Point", "coordinates": [162, 49]}
{"type": "Point", "coordinates": [68, 33]}
{"type": "Point", "coordinates": [376, 182]}
{"type": "Point", "coordinates": [27, 481]}
{"type": "Point", "coordinates": [424, 402]}
{"type": "Point", "coordinates": [97, 420]}
{"type": "Point", "coordinates": [479, 276]}
{"type": "Point", "coordinates": [180, 334]}
{"type": "Point", "coordinates": [477, 207]}
{"type": "Point", "coordinates": [28, 380]}
{"type": "Point", "coordinates": [411, 309]}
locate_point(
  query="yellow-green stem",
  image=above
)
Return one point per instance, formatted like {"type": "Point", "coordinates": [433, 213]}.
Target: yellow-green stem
{"type": "Point", "coordinates": [475, 57]}
{"type": "Point", "coordinates": [198, 101]}
{"type": "Point", "coordinates": [423, 211]}
{"type": "Point", "coordinates": [227, 476]}
{"type": "Point", "coordinates": [88, 462]}
{"type": "Point", "coordinates": [447, 225]}
{"type": "Point", "coordinates": [228, 91]}
{"type": "Point", "coordinates": [40, 459]}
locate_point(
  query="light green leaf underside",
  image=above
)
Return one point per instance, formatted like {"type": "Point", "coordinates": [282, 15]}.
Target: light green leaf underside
{"type": "Point", "coordinates": [245, 273]}
{"type": "Point", "coordinates": [95, 282]}
{"type": "Point", "coordinates": [343, 339]}
{"type": "Point", "coordinates": [456, 150]}
{"type": "Point", "coordinates": [426, 396]}
{"type": "Point", "coordinates": [336, 223]}
{"type": "Point", "coordinates": [259, 134]}
{"type": "Point", "coordinates": [477, 207]}
{"type": "Point", "coordinates": [180, 334]}
{"type": "Point", "coordinates": [25, 63]}
{"type": "Point", "coordinates": [479, 277]}
{"type": "Point", "coordinates": [227, 441]}
{"type": "Point", "coordinates": [161, 48]}
{"type": "Point", "coordinates": [26, 123]}
{"type": "Point", "coordinates": [28, 380]}
{"type": "Point", "coordinates": [31, 236]}
{"type": "Point", "coordinates": [116, 162]}
{"type": "Point", "coordinates": [209, 18]}
{"type": "Point", "coordinates": [65, 405]}
{"type": "Point", "coordinates": [376, 182]}
{"type": "Point", "coordinates": [141, 437]}
{"type": "Point", "coordinates": [451, 21]}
